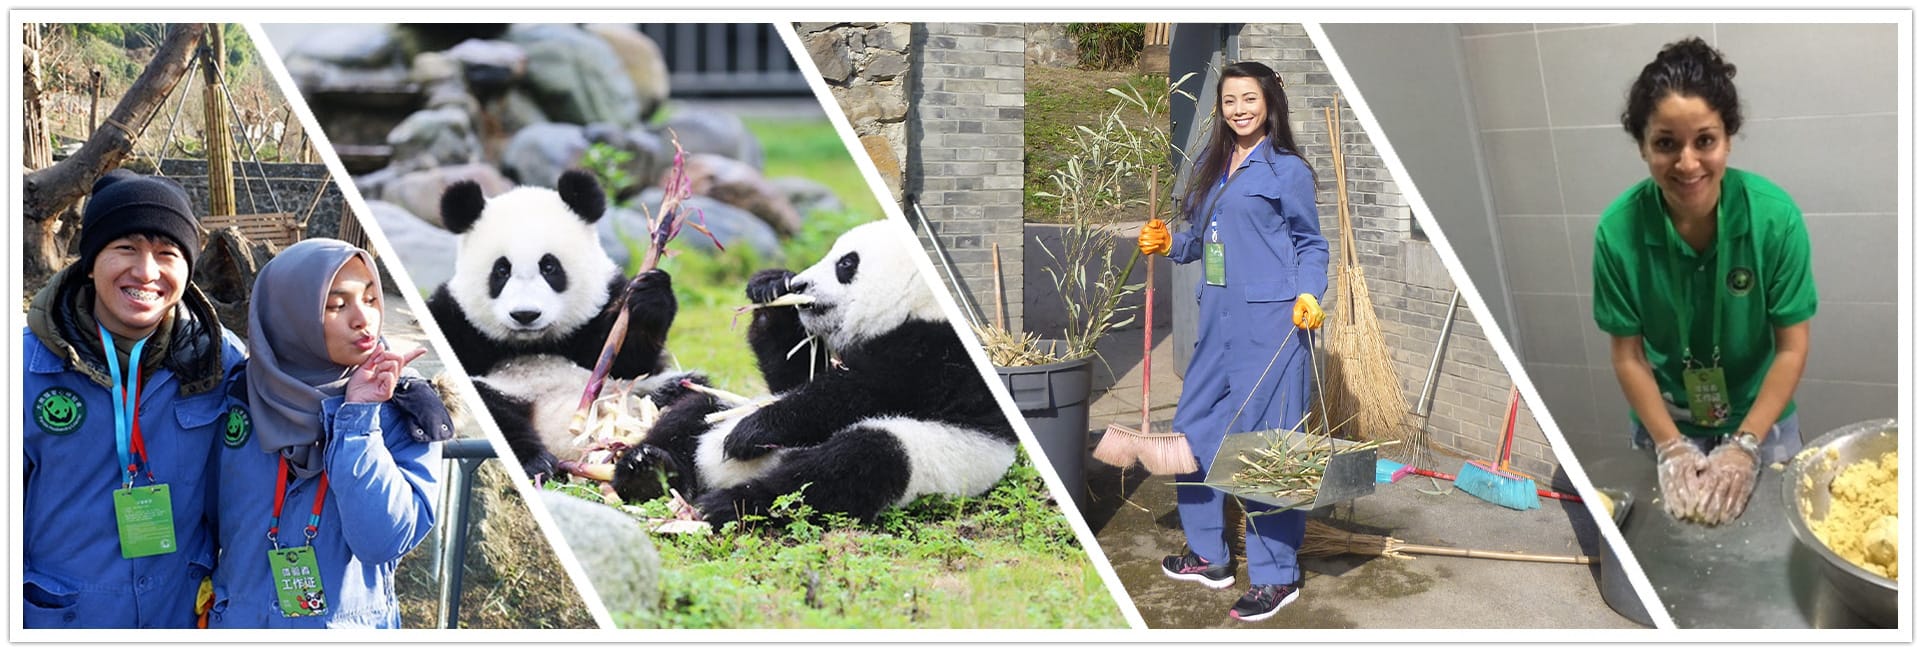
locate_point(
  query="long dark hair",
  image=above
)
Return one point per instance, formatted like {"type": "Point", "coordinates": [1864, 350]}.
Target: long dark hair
{"type": "Point", "coordinates": [1213, 162]}
{"type": "Point", "coordinates": [1690, 68]}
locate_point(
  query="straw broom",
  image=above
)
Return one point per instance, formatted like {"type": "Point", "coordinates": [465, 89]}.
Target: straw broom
{"type": "Point", "coordinates": [1366, 391]}
{"type": "Point", "coordinates": [1324, 540]}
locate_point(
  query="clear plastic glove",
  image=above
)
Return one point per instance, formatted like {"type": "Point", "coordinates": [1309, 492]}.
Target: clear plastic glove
{"type": "Point", "coordinates": [1154, 239]}
{"type": "Point", "coordinates": [1728, 481]}
{"type": "Point", "coordinates": [1678, 467]}
{"type": "Point", "coordinates": [1308, 312]}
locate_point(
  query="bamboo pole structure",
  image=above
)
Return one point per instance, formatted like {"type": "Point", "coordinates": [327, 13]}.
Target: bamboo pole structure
{"type": "Point", "coordinates": [219, 140]}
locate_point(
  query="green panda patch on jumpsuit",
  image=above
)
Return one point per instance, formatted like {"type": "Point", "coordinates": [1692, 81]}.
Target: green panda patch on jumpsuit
{"type": "Point", "coordinates": [59, 411]}
{"type": "Point", "coordinates": [236, 427]}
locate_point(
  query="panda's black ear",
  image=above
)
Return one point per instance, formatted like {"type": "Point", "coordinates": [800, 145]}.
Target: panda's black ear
{"type": "Point", "coordinates": [460, 206]}
{"type": "Point", "coordinates": [582, 193]}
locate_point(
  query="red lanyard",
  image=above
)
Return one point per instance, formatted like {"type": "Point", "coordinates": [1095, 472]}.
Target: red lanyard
{"type": "Point", "coordinates": [280, 502]}
{"type": "Point", "coordinates": [137, 444]}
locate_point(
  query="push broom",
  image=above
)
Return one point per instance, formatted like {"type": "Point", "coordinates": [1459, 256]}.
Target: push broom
{"type": "Point", "coordinates": [1161, 453]}
{"type": "Point", "coordinates": [1493, 481]}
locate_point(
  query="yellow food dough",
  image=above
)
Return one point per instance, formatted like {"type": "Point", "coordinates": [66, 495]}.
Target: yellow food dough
{"type": "Point", "coordinates": [1608, 504]}
{"type": "Point", "coordinates": [1862, 525]}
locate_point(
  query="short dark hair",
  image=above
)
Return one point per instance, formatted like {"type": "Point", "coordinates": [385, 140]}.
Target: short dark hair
{"type": "Point", "coordinates": [1691, 68]}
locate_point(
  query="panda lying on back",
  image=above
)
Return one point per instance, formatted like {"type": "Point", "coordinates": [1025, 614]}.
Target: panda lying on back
{"type": "Point", "coordinates": [901, 413]}
{"type": "Point", "coordinates": [532, 283]}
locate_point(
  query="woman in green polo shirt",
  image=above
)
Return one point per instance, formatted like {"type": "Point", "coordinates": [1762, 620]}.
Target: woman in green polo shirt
{"type": "Point", "coordinates": [1702, 277]}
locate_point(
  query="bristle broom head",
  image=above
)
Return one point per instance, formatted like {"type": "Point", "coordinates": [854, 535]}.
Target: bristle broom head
{"type": "Point", "coordinates": [1159, 453]}
{"type": "Point", "coordinates": [1485, 482]}
{"type": "Point", "coordinates": [1117, 447]}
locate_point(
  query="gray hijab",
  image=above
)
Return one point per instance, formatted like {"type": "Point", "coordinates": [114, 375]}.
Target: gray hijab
{"type": "Point", "coordinates": [289, 373]}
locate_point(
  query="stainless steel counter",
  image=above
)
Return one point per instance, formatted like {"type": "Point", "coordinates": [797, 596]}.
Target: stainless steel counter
{"type": "Point", "coordinates": [1746, 574]}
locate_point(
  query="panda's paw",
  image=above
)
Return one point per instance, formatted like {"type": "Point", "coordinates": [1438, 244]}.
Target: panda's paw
{"type": "Point", "coordinates": [724, 506]}
{"type": "Point", "coordinates": [768, 284]}
{"type": "Point", "coordinates": [541, 468]}
{"type": "Point", "coordinates": [643, 473]}
{"type": "Point", "coordinates": [674, 387]}
{"type": "Point", "coordinates": [750, 440]}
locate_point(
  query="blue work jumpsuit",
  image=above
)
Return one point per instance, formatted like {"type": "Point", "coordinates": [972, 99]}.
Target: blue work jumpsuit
{"type": "Point", "coordinates": [74, 574]}
{"type": "Point", "coordinates": [382, 487]}
{"type": "Point", "coordinates": [1264, 212]}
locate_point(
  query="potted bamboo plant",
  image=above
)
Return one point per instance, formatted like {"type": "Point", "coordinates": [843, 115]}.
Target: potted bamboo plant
{"type": "Point", "coordinates": [1099, 191]}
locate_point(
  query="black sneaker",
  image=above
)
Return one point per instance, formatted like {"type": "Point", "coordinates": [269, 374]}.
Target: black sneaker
{"type": "Point", "coordinates": [1263, 600]}
{"type": "Point", "coordinates": [1190, 566]}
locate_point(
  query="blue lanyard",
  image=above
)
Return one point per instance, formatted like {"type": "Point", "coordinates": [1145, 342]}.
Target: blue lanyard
{"type": "Point", "coordinates": [125, 409]}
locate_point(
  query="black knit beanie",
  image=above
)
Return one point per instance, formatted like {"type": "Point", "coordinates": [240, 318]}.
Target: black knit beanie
{"type": "Point", "coordinates": [124, 203]}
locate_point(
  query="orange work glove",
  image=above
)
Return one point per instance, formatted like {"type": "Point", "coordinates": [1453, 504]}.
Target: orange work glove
{"type": "Point", "coordinates": [1308, 312]}
{"type": "Point", "coordinates": [1154, 239]}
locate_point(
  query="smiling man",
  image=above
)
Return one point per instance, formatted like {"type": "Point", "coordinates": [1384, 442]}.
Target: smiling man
{"type": "Point", "coordinates": [123, 359]}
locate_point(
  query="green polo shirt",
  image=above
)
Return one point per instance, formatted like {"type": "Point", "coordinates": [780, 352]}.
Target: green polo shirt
{"type": "Point", "coordinates": [1765, 284]}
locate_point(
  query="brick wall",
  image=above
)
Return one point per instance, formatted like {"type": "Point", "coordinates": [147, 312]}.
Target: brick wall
{"type": "Point", "coordinates": [965, 150]}
{"type": "Point", "coordinates": [1405, 277]}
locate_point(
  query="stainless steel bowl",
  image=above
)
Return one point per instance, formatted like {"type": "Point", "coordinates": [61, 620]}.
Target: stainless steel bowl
{"type": "Point", "coordinates": [1807, 478]}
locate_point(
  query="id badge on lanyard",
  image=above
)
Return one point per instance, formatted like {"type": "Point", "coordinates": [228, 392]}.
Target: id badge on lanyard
{"type": "Point", "coordinates": [143, 516]}
{"type": "Point", "coordinates": [1705, 384]}
{"type": "Point", "coordinates": [1214, 254]}
{"type": "Point", "coordinates": [295, 571]}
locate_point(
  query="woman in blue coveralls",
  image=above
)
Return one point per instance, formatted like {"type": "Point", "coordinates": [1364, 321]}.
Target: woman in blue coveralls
{"type": "Point", "coordinates": [116, 523]}
{"type": "Point", "coordinates": [1253, 223]}
{"type": "Point", "coordinates": [334, 478]}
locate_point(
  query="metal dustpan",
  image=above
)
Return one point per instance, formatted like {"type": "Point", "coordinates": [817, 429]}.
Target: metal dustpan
{"type": "Point", "coordinates": [1350, 472]}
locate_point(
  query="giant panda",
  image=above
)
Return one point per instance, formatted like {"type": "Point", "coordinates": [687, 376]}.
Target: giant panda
{"type": "Point", "coordinates": [898, 412]}
{"type": "Point", "coordinates": [530, 303]}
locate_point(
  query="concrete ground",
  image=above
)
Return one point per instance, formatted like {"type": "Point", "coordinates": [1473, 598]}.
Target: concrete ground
{"type": "Point", "coordinates": [1134, 520]}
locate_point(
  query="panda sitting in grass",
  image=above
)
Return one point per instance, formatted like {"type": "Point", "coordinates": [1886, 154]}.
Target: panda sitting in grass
{"type": "Point", "coordinates": [897, 411]}
{"type": "Point", "coordinates": [528, 306]}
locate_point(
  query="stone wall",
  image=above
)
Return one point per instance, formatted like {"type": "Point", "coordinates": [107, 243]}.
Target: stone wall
{"type": "Point", "coordinates": [866, 66]}
{"type": "Point", "coordinates": [966, 149]}
{"type": "Point", "coordinates": [293, 184]}
{"type": "Point", "coordinates": [1405, 276]}
{"type": "Point", "coordinates": [1049, 45]}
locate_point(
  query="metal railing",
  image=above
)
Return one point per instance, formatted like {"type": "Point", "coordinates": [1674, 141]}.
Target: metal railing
{"type": "Point", "coordinates": [463, 457]}
{"type": "Point", "coordinates": [726, 59]}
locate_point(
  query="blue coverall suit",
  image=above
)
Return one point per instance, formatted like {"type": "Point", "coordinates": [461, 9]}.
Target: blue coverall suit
{"type": "Point", "coordinates": [380, 504]}
{"type": "Point", "coordinates": [1265, 215]}
{"type": "Point", "coordinates": [74, 575]}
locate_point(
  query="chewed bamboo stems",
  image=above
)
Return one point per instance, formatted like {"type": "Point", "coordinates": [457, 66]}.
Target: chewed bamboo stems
{"type": "Point", "coordinates": [1288, 469]}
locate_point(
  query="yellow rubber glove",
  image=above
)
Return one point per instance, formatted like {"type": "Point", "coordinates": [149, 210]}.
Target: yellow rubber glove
{"type": "Point", "coordinates": [203, 601]}
{"type": "Point", "coordinates": [1308, 312]}
{"type": "Point", "coordinates": [1154, 239]}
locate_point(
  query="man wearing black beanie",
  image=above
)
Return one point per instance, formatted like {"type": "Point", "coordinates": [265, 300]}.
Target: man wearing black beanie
{"type": "Point", "coordinates": [124, 357]}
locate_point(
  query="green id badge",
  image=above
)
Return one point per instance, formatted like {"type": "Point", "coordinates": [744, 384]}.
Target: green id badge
{"type": "Point", "coordinates": [1707, 395]}
{"type": "Point", "coordinates": [145, 516]}
{"type": "Point", "coordinates": [297, 581]}
{"type": "Point", "coordinates": [1214, 262]}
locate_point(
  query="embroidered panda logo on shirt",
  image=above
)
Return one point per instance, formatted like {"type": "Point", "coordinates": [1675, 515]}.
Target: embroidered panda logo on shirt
{"type": "Point", "coordinates": [59, 411]}
{"type": "Point", "coordinates": [1740, 281]}
{"type": "Point", "coordinates": [236, 427]}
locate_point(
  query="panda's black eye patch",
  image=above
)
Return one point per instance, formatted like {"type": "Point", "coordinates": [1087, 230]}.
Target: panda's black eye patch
{"type": "Point", "coordinates": [497, 279]}
{"type": "Point", "coordinates": [553, 273]}
{"type": "Point", "coordinates": [845, 267]}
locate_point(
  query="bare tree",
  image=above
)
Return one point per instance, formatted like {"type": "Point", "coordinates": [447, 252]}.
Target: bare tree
{"type": "Point", "coordinates": [50, 191]}
{"type": "Point", "coordinates": [39, 150]}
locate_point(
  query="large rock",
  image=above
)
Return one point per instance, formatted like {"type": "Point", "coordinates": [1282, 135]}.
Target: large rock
{"type": "Point", "coordinates": [739, 184]}
{"type": "Point", "coordinates": [490, 67]}
{"type": "Point", "coordinates": [735, 228]}
{"type": "Point", "coordinates": [434, 138]}
{"type": "Point", "coordinates": [419, 192]}
{"type": "Point", "coordinates": [425, 250]}
{"type": "Point", "coordinates": [517, 110]}
{"type": "Point", "coordinates": [715, 132]}
{"type": "Point", "coordinates": [613, 549]}
{"type": "Point", "coordinates": [650, 154]}
{"type": "Point", "coordinates": [874, 102]}
{"type": "Point", "coordinates": [892, 37]}
{"type": "Point", "coordinates": [642, 60]}
{"type": "Point", "coordinates": [829, 51]}
{"type": "Point", "coordinates": [807, 195]}
{"type": "Point", "coordinates": [538, 154]}
{"type": "Point", "coordinates": [886, 66]}
{"type": "Point", "coordinates": [576, 76]}
{"type": "Point", "coordinates": [355, 46]}
{"type": "Point", "coordinates": [881, 152]}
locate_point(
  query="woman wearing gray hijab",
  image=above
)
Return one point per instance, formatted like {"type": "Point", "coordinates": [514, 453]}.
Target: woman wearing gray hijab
{"type": "Point", "coordinates": [329, 472]}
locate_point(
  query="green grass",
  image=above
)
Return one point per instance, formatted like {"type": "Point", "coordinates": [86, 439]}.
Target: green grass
{"type": "Point", "coordinates": [1006, 559]}
{"type": "Point", "coordinates": [1058, 100]}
